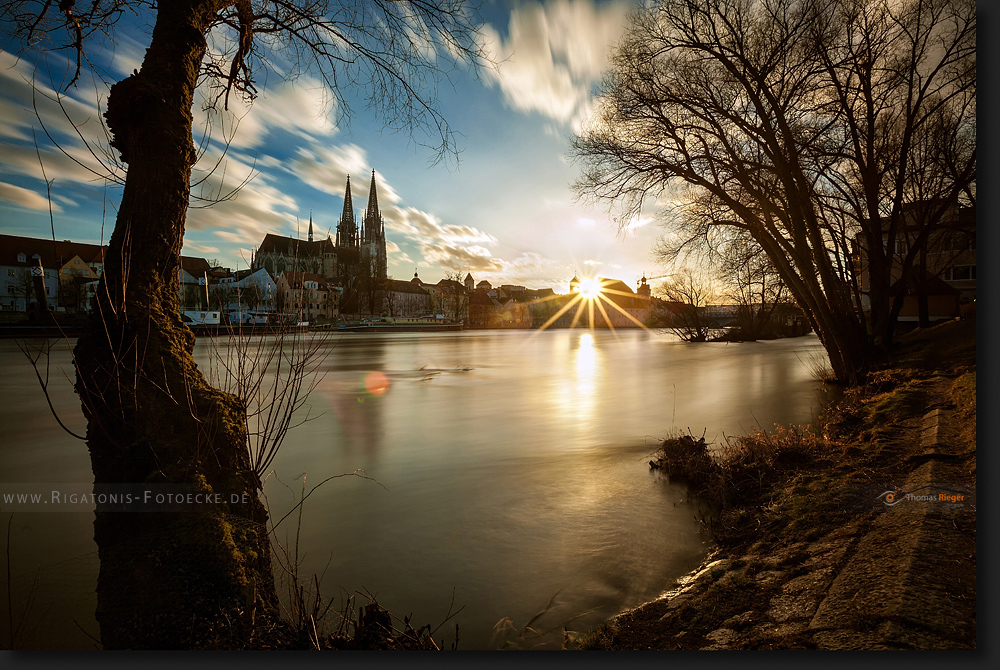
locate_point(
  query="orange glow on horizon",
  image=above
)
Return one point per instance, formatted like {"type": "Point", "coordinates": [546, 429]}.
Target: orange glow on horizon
{"type": "Point", "coordinates": [586, 294]}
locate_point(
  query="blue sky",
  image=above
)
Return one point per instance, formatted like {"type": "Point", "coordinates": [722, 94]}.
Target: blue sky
{"type": "Point", "coordinates": [505, 212]}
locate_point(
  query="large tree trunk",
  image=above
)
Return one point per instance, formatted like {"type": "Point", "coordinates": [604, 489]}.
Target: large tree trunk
{"type": "Point", "coordinates": [183, 579]}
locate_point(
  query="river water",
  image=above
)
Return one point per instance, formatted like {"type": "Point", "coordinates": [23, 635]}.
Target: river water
{"type": "Point", "coordinates": [507, 469]}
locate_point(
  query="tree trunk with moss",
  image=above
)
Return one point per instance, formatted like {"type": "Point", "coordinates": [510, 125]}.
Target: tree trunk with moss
{"type": "Point", "coordinates": [185, 579]}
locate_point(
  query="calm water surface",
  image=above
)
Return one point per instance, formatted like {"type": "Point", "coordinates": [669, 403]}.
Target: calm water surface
{"type": "Point", "coordinates": [510, 467]}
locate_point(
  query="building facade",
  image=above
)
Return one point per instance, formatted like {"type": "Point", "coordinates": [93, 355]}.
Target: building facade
{"type": "Point", "coordinates": [946, 267]}
{"type": "Point", "coordinates": [70, 271]}
{"type": "Point", "coordinates": [308, 296]}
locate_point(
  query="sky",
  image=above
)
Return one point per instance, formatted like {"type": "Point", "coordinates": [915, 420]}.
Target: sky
{"type": "Point", "coordinates": [504, 210]}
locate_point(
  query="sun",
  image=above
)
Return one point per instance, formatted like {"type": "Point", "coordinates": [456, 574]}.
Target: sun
{"type": "Point", "coordinates": [589, 297]}
{"type": "Point", "coordinates": [589, 289]}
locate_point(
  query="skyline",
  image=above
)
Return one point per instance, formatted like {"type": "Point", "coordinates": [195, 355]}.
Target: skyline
{"type": "Point", "coordinates": [505, 212]}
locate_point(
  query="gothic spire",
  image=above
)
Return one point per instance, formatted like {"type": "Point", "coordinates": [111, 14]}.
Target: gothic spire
{"type": "Point", "coordinates": [310, 226]}
{"type": "Point", "coordinates": [348, 214]}
{"type": "Point", "coordinates": [347, 229]}
{"type": "Point", "coordinates": [373, 219]}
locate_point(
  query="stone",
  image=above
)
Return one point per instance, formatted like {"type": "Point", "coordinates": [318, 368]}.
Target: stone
{"type": "Point", "coordinates": [786, 607]}
{"type": "Point", "coordinates": [722, 636]}
{"type": "Point", "coordinates": [770, 631]}
{"type": "Point", "coordinates": [740, 620]}
{"type": "Point", "coordinates": [767, 577]}
{"type": "Point", "coordinates": [829, 558]}
{"type": "Point", "coordinates": [812, 583]}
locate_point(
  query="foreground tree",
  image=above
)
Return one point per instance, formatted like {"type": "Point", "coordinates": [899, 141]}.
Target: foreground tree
{"type": "Point", "coordinates": [799, 123]}
{"type": "Point", "coordinates": [204, 579]}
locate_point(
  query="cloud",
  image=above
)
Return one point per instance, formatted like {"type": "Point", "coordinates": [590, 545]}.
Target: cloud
{"type": "Point", "coordinates": [199, 249]}
{"type": "Point", "coordinates": [528, 269]}
{"type": "Point", "coordinates": [302, 107]}
{"type": "Point", "coordinates": [326, 170]}
{"type": "Point", "coordinates": [73, 120]}
{"type": "Point", "coordinates": [637, 222]}
{"type": "Point", "coordinates": [25, 198]}
{"type": "Point", "coordinates": [397, 255]}
{"type": "Point", "coordinates": [257, 209]}
{"type": "Point", "coordinates": [422, 226]}
{"type": "Point", "coordinates": [472, 259]}
{"type": "Point", "coordinates": [554, 54]}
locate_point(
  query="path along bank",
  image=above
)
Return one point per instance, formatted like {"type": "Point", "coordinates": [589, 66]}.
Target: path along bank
{"type": "Point", "coordinates": [860, 537]}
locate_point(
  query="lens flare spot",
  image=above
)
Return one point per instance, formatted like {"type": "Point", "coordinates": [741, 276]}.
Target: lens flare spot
{"type": "Point", "coordinates": [376, 383]}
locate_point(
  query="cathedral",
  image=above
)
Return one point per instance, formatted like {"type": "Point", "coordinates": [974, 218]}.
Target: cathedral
{"type": "Point", "coordinates": [356, 258]}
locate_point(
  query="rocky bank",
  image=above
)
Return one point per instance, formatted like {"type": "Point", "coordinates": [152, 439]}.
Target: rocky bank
{"type": "Point", "coordinates": [870, 544]}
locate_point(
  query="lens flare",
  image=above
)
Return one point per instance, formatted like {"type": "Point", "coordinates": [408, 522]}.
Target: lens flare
{"type": "Point", "coordinates": [376, 383]}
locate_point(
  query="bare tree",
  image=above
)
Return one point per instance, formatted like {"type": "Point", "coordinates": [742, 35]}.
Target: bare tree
{"type": "Point", "coordinates": [23, 287]}
{"type": "Point", "coordinates": [371, 286]}
{"type": "Point", "coordinates": [753, 285]}
{"type": "Point", "coordinates": [205, 579]}
{"type": "Point", "coordinates": [795, 122]}
{"type": "Point", "coordinates": [221, 295]}
{"type": "Point", "coordinates": [690, 293]}
{"type": "Point", "coordinates": [457, 298]}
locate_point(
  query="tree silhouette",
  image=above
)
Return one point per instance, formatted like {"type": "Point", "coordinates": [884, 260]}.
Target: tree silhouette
{"type": "Point", "coordinates": [806, 124]}
{"type": "Point", "coordinates": [204, 579]}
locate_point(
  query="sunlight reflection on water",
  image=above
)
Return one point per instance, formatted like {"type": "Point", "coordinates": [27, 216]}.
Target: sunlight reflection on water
{"type": "Point", "coordinates": [512, 466]}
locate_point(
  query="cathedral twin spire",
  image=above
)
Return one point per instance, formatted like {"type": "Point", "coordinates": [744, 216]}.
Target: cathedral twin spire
{"type": "Point", "coordinates": [372, 225]}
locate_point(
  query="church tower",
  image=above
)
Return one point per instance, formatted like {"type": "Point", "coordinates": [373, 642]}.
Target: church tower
{"type": "Point", "coordinates": [347, 229]}
{"type": "Point", "coordinates": [373, 235]}
{"type": "Point", "coordinates": [643, 288]}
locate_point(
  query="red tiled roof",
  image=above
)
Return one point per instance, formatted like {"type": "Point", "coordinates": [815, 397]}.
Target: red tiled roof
{"type": "Point", "coordinates": [53, 255]}
{"type": "Point", "coordinates": [194, 265]}
{"type": "Point", "coordinates": [403, 286]}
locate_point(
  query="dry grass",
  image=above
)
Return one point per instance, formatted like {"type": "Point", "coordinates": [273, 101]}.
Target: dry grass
{"type": "Point", "coordinates": [742, 469]}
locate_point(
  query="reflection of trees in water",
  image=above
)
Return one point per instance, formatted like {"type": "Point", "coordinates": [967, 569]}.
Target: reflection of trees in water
{"type": "Point", "coordinates": [357, 408]}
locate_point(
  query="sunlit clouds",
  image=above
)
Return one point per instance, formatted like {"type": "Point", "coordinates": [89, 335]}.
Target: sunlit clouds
{"type": "Point", "coordinates": [554, 53]}
{"type": "Point", "coordinates": [505, 213]}
{"type": "Point", "coordinates": [26, 198]}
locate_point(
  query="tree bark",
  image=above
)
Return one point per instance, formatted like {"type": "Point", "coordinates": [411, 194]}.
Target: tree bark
{"type": "Point", "coordinates": [190, 579]}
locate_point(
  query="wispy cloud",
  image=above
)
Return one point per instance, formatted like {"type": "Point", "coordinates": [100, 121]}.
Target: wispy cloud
{"type": "Point", "coordinates": [554, 54]}
{"type": "Point", "coordinates": [25, 198]}
{"type": "Point", "coordinates": [302, 107]}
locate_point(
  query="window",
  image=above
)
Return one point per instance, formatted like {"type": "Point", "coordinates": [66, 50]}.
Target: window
{"type": "Point", "coordinates": [960, 273]}
{"type": "Point", "coordinates": [21, 258]}
{"type": "Point", "coordinates": [958, 242]}
{"type": "Point", "coordinates": [10, 272]}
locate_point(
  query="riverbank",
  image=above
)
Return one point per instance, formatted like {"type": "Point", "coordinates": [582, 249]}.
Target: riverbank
{"type": "Point", "coordinates": [862, 537]}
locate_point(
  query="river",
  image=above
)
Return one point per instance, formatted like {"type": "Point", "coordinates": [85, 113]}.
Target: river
{"type": "Point", "coordinates": [506, 469]}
